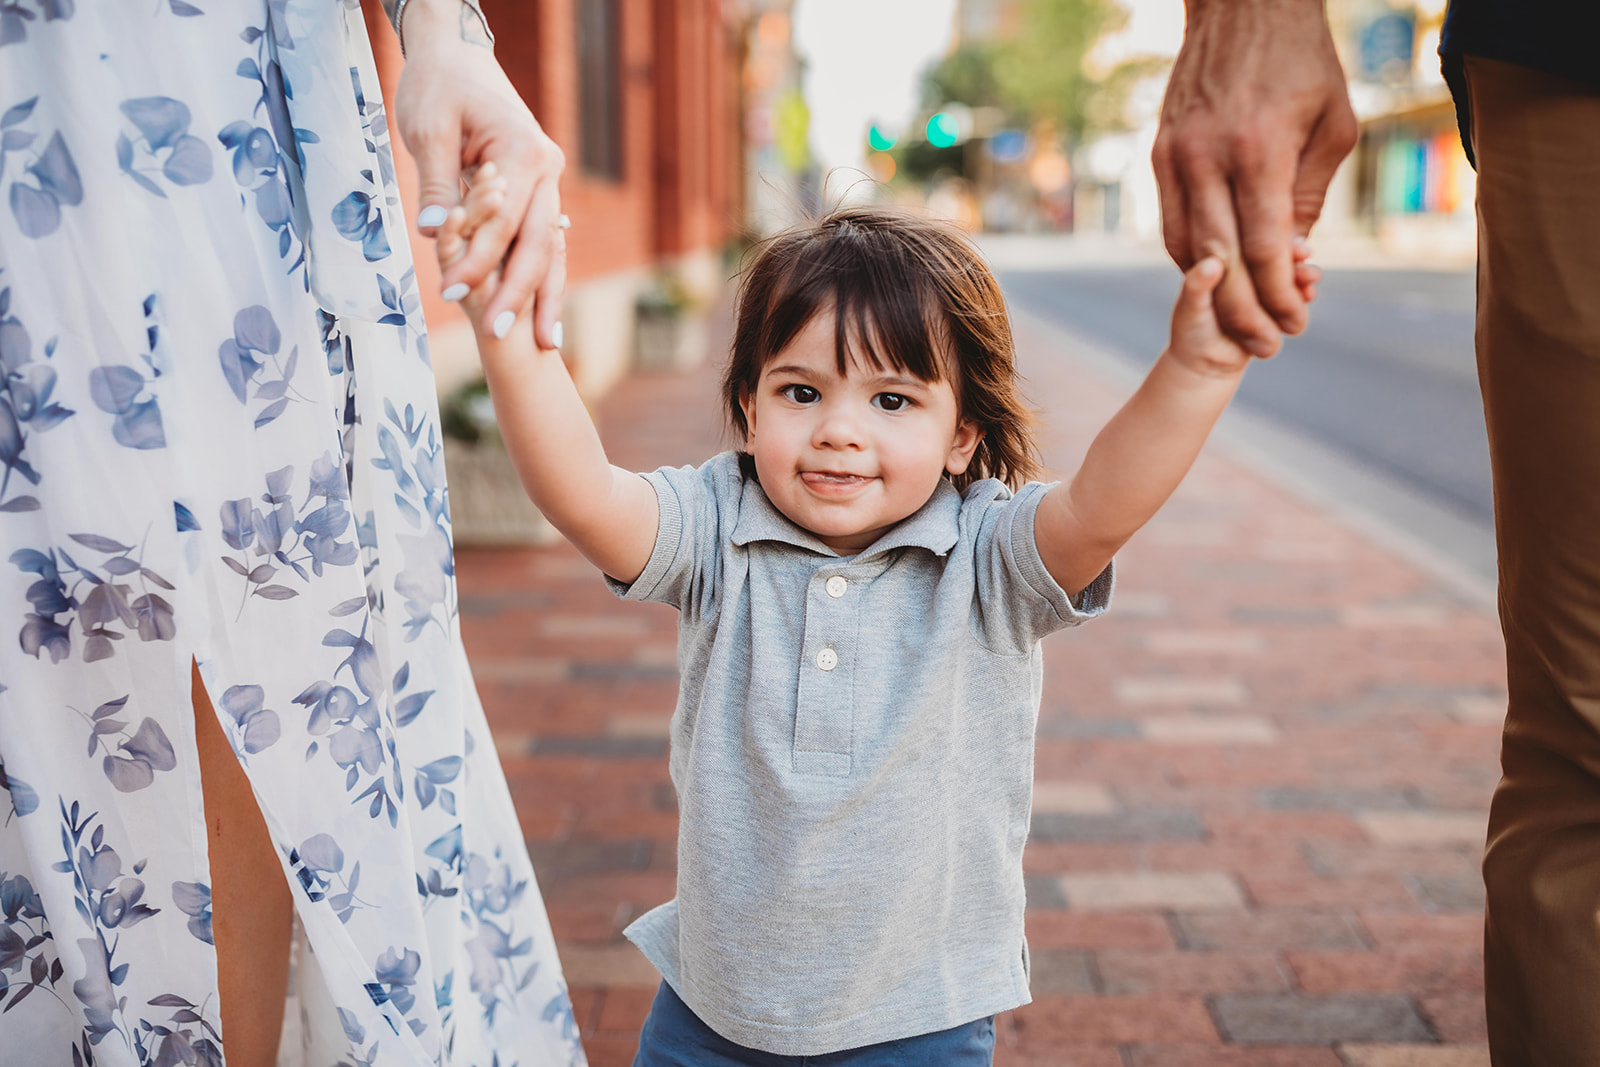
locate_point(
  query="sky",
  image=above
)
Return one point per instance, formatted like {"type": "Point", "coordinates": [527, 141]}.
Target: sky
{"type": "Point", "coordinates": [865, 57]}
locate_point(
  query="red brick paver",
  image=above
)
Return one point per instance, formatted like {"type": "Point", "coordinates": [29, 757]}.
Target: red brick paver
{"type": "Point", "coordinates": [1263, 776]}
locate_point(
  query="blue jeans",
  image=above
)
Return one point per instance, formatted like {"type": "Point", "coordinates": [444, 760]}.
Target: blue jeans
{"type": "Point", "coordinates": [674, 1036]}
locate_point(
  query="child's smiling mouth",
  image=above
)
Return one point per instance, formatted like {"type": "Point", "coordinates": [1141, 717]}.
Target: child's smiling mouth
{"type": "Point", "coordinates": [833, 483]}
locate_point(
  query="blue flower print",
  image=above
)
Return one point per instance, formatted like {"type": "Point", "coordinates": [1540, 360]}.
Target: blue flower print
{"type": "Point", "coordinates": [245, 359]}
{"type": "Point", "coordinates": [281, 538]}
{"type": "Point", "coordinates": [265, 154]}
{"type": "Point", "coordinates": [99, 601]}
{"type": "Point", "coordinates": [406, 709]}
{"type": "Point", "coordinates": [359, 216]}
{"type": "Point", "coordinates": [26, 407]}
{"type": "Point", "coordinates": [37, 206]}
{"type": "Point", "coordinates": [120, 392]}
{"type": "Point", "coordinates": [424, 582]}
{"type": "Point", "coordinates": [397, 973]}
{"type": "Point", "coordinates": [24, 798]}
{"type": "Point", "coordinates": [15, 16]}
{"type": "Point", "coordinates": [351, 726]}
{"type": "Point", "coordinates": [255, 728]}
{"type": "Point", "coordinates": [143, 752]}
{"type": "Point", "coordinates": [194, 900]}
{"type": "Point", "coordinates": [493, 976]}
{"type": "Point", "coordinates": [358, 219]}
{"type": "Point", "coordinates": [109, 900]}
{"type": "Point", "coordinates": [319, 864]}
{"type": "Point", "coordinates": [28, 958]}
{"type": "Point", "coordinates": [164, 142]}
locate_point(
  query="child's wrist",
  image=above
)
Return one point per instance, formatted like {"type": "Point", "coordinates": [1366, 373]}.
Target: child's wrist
{"type": "Point", "coordinates": [1203, 367]}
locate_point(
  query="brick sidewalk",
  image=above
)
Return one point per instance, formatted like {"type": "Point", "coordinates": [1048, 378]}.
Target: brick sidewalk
{"type": "Point", "coordinates": [1261, 779]}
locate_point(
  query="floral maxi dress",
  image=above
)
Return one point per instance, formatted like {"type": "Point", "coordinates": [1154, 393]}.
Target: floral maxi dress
{"type": "Point", "coordinates": [219, 444]}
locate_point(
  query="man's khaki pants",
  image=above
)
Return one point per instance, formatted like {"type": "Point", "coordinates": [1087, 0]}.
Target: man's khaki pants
{"type": "Point", "coordinates": [1537, 142]}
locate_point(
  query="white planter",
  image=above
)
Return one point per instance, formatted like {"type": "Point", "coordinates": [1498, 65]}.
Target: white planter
{"type": "Point", "coordinates": [670, 342]}
{"type": "Point", "coordinates": [487, 503]}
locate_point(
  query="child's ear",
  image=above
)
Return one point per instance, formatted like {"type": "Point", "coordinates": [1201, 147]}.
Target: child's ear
{"type": "Point", "coordinates": [969, 435]}
{"type": "Point", "coordinates": [749, 408]}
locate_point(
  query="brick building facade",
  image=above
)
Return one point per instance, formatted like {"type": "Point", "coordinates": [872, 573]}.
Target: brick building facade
{"type": "Point", "coordinates": [644, 98]}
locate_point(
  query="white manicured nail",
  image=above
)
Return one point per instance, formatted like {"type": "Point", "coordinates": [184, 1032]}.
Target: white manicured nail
{"type": "Point", "coordinates": [503, 323]}
{"type": "Point", "coordinates": [432, 215]}
{"type": "Point", "coordinates": [556, 335]}
{"type": "Point", "coordinates": [455, 292]}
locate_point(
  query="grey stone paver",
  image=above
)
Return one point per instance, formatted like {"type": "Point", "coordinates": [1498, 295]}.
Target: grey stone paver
{"type": "Point", "coordinates": [568, 859]}
{"type": "Point", "coordinates": [1285, 928]}
{"type": "Point", "coordinates": [1338, 798]}
{"type": "Point", "coordinates": [1447, 891]}
{"type": "Point", "coordinates": [603, 747]}
{"type": "Point", "coordinates": [1135, 824]}
{"type": "Point", "coordinates": [1064, 972]}
{"type": "Point", "coordinates": [1288, 1018]}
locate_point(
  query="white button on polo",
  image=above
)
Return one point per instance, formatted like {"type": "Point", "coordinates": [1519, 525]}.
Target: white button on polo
{"type": "Point", "coordinates": [827, 659]}
{"type": "Point", "coordinates": [837, 585]}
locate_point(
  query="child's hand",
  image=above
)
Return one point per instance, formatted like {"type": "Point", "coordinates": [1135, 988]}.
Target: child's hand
{"type": "Point", "coordinates": [483, 199]}
{"type": "Point", "coordinates": [1197, 340]}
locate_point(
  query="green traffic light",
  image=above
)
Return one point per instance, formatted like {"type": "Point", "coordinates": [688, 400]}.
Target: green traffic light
{"type": "Point", "coordinates": [943, 131]}
{"type": "Point", "coordinates": [880, 141]}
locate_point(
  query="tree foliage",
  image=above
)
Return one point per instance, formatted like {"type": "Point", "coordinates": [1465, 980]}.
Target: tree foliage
{"type": "Point", "coordinates": [1040, 72]}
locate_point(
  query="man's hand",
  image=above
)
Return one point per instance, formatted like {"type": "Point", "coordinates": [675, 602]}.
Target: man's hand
{"type": "Point", "coordinates": [1255, 121]}
{"type": "Point", "coordinates": [456, 110]}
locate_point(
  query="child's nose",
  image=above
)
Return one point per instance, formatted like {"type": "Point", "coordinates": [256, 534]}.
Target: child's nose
{"type": "Point", "coordinates": [838, 427]}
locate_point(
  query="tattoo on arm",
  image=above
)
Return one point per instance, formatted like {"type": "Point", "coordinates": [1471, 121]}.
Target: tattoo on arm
{"type": "Point", "coordinates": [473, 25]}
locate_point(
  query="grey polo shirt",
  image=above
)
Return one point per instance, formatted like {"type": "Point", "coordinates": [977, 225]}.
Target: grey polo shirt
{"type": "Point", "coordinates": [853, 755]}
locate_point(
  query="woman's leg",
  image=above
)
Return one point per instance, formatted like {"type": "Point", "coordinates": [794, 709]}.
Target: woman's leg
{"type": "Point", "coordinates": [251, 912]}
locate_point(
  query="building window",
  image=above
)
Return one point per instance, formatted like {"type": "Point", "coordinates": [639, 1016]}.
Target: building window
{"type": "Point", "coordinates": [600, 88]}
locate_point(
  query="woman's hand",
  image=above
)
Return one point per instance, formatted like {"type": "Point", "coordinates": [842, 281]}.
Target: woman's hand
{"type": "Point", "coordinates": [456, 109]}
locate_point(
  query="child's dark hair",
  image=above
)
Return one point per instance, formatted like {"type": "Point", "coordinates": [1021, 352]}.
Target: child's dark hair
{"type": "Point", "coordinates": [905, 292]}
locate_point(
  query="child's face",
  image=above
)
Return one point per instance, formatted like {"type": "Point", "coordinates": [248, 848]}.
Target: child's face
{"type": "Point", "coordinates": [848, 457]}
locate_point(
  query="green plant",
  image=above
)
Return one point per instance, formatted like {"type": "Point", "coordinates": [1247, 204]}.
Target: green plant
{"type": "Point", "coordinates": [467, 414]}
{"type": "Point", "coordinates": [665, 297]}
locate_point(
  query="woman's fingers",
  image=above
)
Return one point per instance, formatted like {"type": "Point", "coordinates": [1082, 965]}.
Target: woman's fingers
{"type": "Point", "coordinates": [539, 244]}
{"type": "Point", "coordinates": [547, 332]}
{"type": "Point", "coordinates": [435, 145]}
{"type": "Point", "coordinates": [486, 197]}
{"type": "Point", "coordinates": [450, 243]}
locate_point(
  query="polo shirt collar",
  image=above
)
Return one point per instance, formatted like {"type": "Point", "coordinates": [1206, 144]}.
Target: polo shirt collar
{"type": "Point", "coordinates": [932, 526]}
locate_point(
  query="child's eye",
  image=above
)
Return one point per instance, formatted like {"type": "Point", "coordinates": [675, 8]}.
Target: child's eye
{"type": "Point", "coordinates": [800, 394]}
{"type": "Point", "coordinates": [892, 401]}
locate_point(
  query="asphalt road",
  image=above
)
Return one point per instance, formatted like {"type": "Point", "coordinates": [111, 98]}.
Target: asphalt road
{"type": "Point", "coordinates": [1384, 376]}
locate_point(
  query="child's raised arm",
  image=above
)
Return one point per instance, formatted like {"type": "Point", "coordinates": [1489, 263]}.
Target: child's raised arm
{"type": "Point", "coordinates": [609, 514]}
{"type": "Point", "coordinates": [1142, 454]}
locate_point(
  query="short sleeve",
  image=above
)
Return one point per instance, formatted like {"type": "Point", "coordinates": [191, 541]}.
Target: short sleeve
{"type": "Point", "coordinates": [687, 537]}
{"type": "Point", "coordinates": [1018, 602]}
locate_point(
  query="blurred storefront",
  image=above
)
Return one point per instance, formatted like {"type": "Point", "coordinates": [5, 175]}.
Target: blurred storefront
{"type": "Point", "coordinates": [1407, 187]}
{"type": "Point", "coordinates": [779, 173]}
{"type": "Point", "coordinates": [645, 98]}
{"type": "Point", "coordinates": [1408, 183]}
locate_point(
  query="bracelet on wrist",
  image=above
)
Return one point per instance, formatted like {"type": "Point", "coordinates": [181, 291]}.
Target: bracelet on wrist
{"type": "Point", "coordinates": [399, 13]}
